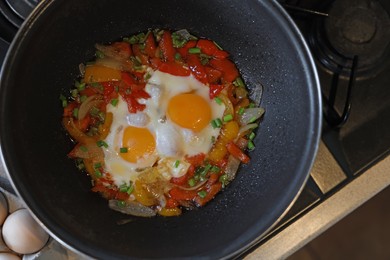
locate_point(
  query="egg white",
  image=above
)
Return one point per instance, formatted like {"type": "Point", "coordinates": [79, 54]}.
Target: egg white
{"type": "Point", "coordinates": [172, 141]}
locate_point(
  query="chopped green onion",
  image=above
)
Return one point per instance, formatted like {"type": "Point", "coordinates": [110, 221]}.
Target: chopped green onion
{"type": "Point", "coordinates": [123, 188]}
{"type": "Point", "coordinates": [75, 112]}
{"type": "Point", "coordinates": [194, 50]}
{"type": "Point", "coordinates": [83, 148]}
{"type": "Point", "coordinates": [251, 145]}
{"type": "Point", "coordinates": [252, 105]}
{"type": "Point", "coordinates": [238, 82]}
{"type": "Point", "coordinates": [177, 163]}
{"type": "Point", "coordinates": [215, 169]}
{"type": "Point", "coordinates": [97, 85]}
{"type": "Point", "coordinates": [79, 86]}
{"type": "Point", "coordinates": [252, 136]}
{"type": "Point", "coordinates": [97, 165]}
{"type": "Point", "coordinates": [99, 54]}
{"type": "Point", "coordinates": [177, 56]}
{"type": "Point", "coordinates": [191, 182]}
{"type": "Point", "coordinates": [223, 179]}
{"type": "Point", "coordinates": [94, 111]}
{"type": "Point", "coordinates": [205, 170]}
{"type": "Point", "coordinates": [228, 118]}
{"type": "Point", "coordinates": [130, 189]}
{"type": "Point", "coordinates": [101, 143]}
{"type": "Point", "coordinates": [98, 173]}
{"type": "Point", "coordinates": [218, 100]}
{"type": "Point", "coordinates": [123, 150]}
{"type": "Point", "coordinates": [252, 119]}
{"type": "Point", "coordinates": [114, 102]}
{"type": "Point", "coordinates": [214, 124]}
{"type": "Point", "coordinates": [241, 111]}
{"type": "Point", "coordinates": [83, 98]}
{"type": "Point", "coordinates": [121, 203]}
{"type": "Point", "coordinates": [219, 122]}
{"type": "Point", "coordinates": [63, 101]}
{"type": "Point", "coordinates": [74, 93]}
{"type": "Point", "coordinates": [147, 76]}
{"type": "Point", "coordinates": [202, 194]}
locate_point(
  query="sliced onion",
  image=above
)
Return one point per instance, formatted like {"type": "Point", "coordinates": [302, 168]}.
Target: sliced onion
{"type": "Point", "coordinates": [246, 128]}
{"type": "Point", "coordinates": [231, 168]}
{"type": "Point", "coordinates": [124, 65]}
{"type": "Point", "coordinates": [82, 69]}
{"type": "Point", "coordinates": [197, 186]}
{"type": "Point", "coordinates": [250, 115]}
{"type": "Point", "coordinates": [132, 208]}
{"type": "Point", "coordinates": [229, 109]}
{"type": "Point", "coordinates": [185, 34]}
{"type": "Point", "coordinates": [85, 107]}
{"type": "Point", "coordinates": [112, 51]}
{"type": "Point", "coordinates": [75, 133]}
{"type": "Point", "coordinates": [88, 151]}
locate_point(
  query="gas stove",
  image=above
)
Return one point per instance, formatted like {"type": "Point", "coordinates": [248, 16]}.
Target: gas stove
{"type": "Point", "coordinates": [350, 43]}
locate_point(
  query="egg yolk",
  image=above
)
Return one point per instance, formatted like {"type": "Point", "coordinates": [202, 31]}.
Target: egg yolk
{"type": "Point", "coordinates": [139, 143]}
{"type": "Point", "coordinates": [190, 111]}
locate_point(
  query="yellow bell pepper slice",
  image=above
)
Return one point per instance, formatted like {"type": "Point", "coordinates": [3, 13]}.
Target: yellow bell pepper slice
{"type": "Point", "coordinates": [98, 73]}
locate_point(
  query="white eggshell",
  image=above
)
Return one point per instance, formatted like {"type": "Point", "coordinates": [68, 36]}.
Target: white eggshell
{"type": "Point", "coordinates": [3, 247]}
{"type": "Point", "coordinates": [22, 233]}
{"type": "Point", "coordinates": [9, 256]}
{"type": "Point", "coordinates": [3, 208]}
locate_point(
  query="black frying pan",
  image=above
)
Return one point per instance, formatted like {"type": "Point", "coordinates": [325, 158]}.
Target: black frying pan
{"type": "Point", "coordinates": [43, 62]}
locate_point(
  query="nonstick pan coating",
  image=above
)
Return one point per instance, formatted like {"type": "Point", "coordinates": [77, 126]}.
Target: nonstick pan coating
{"type": "Point", "coordinates": [43, 63]}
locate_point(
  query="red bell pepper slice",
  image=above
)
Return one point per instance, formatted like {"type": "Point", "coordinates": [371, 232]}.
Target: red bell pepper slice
{"type": "Point", "coordinates": [215, 90]}
{"type": "Point", "coordinates": [183, 51]}
{"type": "Point", "coordinates": [211, 192]}
{"type": "Point", "coordinates": [166, 47]}
{"type": "Point", "coordinates": [179, 194]}
{"type": "Point", "coordinates": [196, 160]}
{"type": "Point", "coordinates": [150, 45]}
{"type": "Point", "coordinates": [208, 47]}
{"type": "Point", "coordinates": [174, 68]}
{"type": "Point", "coordinates": [197, 68]}
{"type": "Point", "coordinates": [138, 52]}
{"type": "Point", "coordinates": [227, 67]}
{"type": "Point", "coordinates": [234, 150]}
{"type": "Point", "coordinates": [213, 75]}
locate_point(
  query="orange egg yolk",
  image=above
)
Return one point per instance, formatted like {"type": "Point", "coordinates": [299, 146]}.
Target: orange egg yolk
{"type": "Point", "coordinates": [139, 143]}
{"type": "Point", "coordinates": [190, 111]}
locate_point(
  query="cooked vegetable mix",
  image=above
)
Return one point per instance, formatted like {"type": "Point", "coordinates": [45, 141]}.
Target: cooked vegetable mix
{"type": "Point", "coordinates": [161, 121]}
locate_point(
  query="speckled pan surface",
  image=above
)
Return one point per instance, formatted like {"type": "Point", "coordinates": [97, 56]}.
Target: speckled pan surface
{"type": "Point", "coordinates": [43, 61]}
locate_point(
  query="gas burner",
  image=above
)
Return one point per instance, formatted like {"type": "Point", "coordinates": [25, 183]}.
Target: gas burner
{"type": "Point", "coordinates": [353, 28]}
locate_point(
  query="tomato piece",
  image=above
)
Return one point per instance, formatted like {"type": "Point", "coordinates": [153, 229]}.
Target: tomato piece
{"type": "Point", "coordinates": [184, 50]}
{"type": "Point", "coordinates": [197, 68]}
{"type": "Point", "coordinates": [211, 192]}
{"type": "Point", "coordinates": [166, 47]}
{"type": "Point", "coordinates": [179, 194]}
{"type": "Point", "coordinates": [109, 92]}
{"type": "Point", "coordinates": [132, 104]}
{"type": "Point", "coordinates": [215, 90]}
{"type": "Point", "coordinates": [179, 180]}
{"type": "Point", "coordinates": [234, 150]}
{"type": "Point", "coordinates": [150, 45]}
{"type": "Point", "coordinates": [174, 68]}
{"type": "Point", "coordinates": [227, 67]}
{"type": "Point", "coordinates": [83, 124]}
{"type": "Point", "coordinates": [213, 75]}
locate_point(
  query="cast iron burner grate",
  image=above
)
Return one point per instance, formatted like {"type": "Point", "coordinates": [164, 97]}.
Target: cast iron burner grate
{"type": "Point", "coordinates": [354, 28]}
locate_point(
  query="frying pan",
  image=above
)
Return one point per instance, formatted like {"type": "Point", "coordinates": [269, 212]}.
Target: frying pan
{"type": "Point", "coordinates": [43, 62]}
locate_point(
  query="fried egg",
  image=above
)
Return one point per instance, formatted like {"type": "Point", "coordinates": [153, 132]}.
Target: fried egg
{"type": "Point", "coordinates": [174, 124]}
